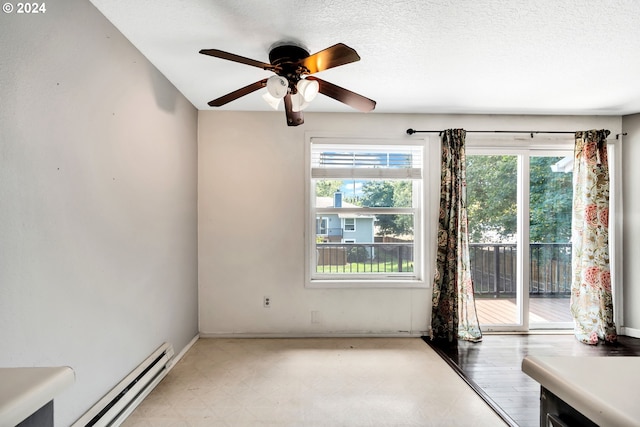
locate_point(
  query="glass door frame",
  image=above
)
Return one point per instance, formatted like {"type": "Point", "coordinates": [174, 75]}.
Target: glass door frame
{"type": "Point", "coordinates": [523, 150]}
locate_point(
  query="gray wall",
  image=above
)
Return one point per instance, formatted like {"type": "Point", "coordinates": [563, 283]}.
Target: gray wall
{"type": "Point", "coordinates": [631, 196]}
{"type": "Point", "coordinates": [98, 217]}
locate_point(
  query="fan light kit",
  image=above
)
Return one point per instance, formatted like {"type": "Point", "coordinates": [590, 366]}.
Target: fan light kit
{"type": "Point", "coordinates": [292, 82]}
{"type": "Point", "coordinates": [277, 86]}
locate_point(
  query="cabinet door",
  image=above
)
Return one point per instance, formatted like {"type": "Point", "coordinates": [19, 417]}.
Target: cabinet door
{"type": "Point", "coordinates": [554, 412]}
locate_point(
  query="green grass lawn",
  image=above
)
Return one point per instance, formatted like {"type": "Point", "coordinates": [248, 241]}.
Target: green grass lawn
{"type": "Point", "coordinates": [366, 267]}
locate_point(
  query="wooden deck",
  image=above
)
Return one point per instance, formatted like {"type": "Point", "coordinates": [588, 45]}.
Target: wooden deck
{"type": "Point", "coordinates": [541, 310]}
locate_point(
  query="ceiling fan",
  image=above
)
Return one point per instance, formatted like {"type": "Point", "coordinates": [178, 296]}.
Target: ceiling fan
{"type": "Point", "coordinates": [292, 65]}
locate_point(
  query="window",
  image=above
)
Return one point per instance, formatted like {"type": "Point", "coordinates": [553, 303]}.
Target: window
{"type": "Point", "coordinates": [365, 198]}
{"type": "Point", "coordinates": [322, 226]}
{"type": "Point", "coordinates": [349, 224]}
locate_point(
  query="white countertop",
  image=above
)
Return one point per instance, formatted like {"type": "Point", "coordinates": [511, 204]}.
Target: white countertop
{"type": "Point", "coordinates": [25, 390]}
{"type": "Point", "coordinates": [604, 389]}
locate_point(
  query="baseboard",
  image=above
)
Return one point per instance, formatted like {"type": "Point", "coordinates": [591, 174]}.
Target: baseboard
{"type": "Point", "coordinates": [179, 356]}
{"type": "Point", "coordinates": [630, 332]}
{"type": "Point", "coordinates": [315, 335]}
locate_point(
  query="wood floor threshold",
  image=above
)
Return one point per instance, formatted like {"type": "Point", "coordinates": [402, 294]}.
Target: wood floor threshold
{"type": "Point", "coordinates": [475, 387]}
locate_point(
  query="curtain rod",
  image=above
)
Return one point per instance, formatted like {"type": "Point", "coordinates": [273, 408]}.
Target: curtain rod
{"type": "Point", "coordinates": [530, 132]}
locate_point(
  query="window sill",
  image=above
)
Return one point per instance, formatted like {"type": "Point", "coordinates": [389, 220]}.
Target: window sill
{"type": "Point", "coordinates": [366, 284]}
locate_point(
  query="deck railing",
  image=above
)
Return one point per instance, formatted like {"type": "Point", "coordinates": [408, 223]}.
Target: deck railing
{"type": "Point", "coordinates": [493, 266]}
{"type": "Point", "coordinates": [364, 257]}
{"type": "Point", "coordinates": [493, 269]}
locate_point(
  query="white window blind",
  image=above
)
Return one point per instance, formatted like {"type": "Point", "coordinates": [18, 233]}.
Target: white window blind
{"type": "Point", "coordinates": [366, 162]}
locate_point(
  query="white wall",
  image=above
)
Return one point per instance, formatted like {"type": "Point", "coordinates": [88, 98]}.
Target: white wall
{"type": "Point", "coordinates": [98, 188]}
{"type": "Point", "coordinates": [631, 196]}
{"type": "Point", "coordinates": [251, 223]}
{"type": "Point", "coordinates": [251, 241]}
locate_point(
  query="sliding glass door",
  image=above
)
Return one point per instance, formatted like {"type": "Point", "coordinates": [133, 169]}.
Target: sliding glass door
{"type": "Point", "coordinates": [550, 202]}
{"type": "Point", "coordinates": [519, 206]}
{"type": "Point", "coordinates": [492, 204]}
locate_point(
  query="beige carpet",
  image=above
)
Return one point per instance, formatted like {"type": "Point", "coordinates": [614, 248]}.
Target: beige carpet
{"type": "Point", "coordinates": [313, 382]}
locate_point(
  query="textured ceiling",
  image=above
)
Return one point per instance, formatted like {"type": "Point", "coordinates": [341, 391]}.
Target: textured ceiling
{"type": "Point", "coordinates": [421, 56]}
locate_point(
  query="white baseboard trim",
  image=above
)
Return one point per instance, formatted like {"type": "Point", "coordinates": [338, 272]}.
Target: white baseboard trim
{"type": "Point", "coordinates": [179, 356]}
{"type": "Point", "coordinates": [630, 332]}
{"type": "Point", "coordinates": [315, 335]}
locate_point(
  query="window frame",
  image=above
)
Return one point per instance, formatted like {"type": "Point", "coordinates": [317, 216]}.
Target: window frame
{"type": "Point", "coordinates": [325, 220]}
{"type": "Point", "coordinates": [524, 148]}
{"type": "Point", "coordinates": [421, 211]}
{"type": "Point", "coordinates": [344, 225]}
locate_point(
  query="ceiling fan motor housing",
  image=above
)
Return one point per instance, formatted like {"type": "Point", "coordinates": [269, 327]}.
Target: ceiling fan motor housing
{"type": "Point", "coordinates": [286, 58]}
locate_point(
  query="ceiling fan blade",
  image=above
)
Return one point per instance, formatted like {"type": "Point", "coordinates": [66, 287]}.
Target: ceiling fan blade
{"type": "Point", "coordinates": [237, 58]}
{"type": "Point", "coordinates": [238, 93]}
{"type": "Point", "coordinates": [345, 96]}
{"type": "Point", "coordinates": [338, 54]}
{"type": "Point", "coordinates": [294, 118]}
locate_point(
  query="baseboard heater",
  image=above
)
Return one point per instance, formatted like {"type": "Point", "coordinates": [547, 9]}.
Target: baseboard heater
{"type": "Point", "coordinates": [119, 403]}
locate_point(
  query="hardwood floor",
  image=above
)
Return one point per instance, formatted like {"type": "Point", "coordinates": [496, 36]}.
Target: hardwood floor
{"type": "Point", "coordinates": [493, 367]}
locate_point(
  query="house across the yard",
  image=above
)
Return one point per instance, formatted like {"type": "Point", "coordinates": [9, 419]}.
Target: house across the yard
{"type": "Point", "coordinates": [345, 227]}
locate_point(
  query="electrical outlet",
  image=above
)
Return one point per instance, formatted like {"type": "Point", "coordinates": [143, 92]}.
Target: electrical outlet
{"type": "Point", "coordinates": [315, 316]}
{"type": "Point", "coordinates": [266, 302]}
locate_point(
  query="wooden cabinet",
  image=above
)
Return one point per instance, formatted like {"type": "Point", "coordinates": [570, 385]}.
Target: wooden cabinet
{"type": "Point", "coordinates": [26, 394]}
{"type": "Point", "coordinates": [586, 391]}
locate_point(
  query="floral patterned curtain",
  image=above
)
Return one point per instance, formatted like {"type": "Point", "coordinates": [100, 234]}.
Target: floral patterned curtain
{"type": "Point", "coordinates": [591, 299]}
{"type": "Point", "coordinates": [454, 310]}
